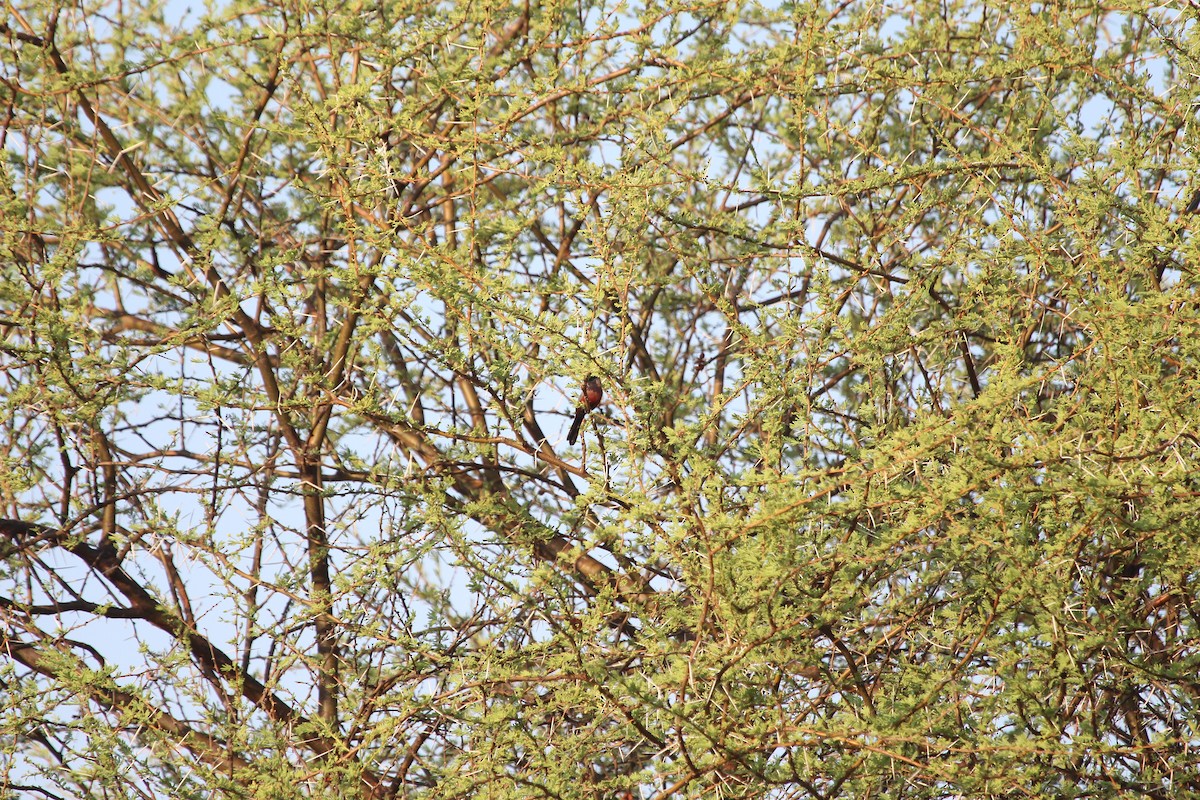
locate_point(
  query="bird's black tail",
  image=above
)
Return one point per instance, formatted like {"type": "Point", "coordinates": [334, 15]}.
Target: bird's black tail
{"type": "Point", "coordinates": [580, 413]}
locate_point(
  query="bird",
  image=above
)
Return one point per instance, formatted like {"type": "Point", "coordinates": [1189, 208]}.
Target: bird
{"type": "Point", "coordinates": [589, 398]}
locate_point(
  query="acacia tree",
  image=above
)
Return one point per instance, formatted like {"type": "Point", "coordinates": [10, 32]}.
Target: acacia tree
{"type": "Point", "coordinates": [892, 493]}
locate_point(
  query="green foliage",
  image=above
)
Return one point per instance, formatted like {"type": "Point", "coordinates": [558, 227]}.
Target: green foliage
{"type": "Point", "coordinates": [892, 493]}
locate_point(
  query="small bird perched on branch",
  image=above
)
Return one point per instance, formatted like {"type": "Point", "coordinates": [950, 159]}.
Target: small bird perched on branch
{"type": "Point", "coordinates": [589, 398]}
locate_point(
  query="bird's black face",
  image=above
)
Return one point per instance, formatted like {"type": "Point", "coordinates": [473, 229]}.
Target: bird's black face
{"type": "Point", "coordinates": [593, 392]}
